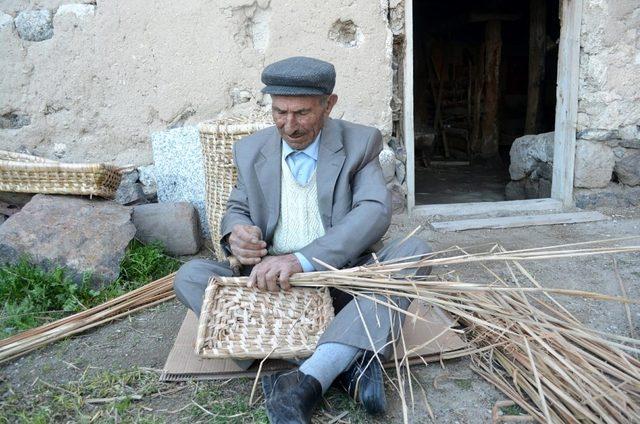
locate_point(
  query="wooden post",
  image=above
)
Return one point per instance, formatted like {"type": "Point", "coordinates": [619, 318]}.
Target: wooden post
{"type": "Point", "coordinates": [537, 51]}
{"type": "Point", "coordinates": [490, 125]}
{"type": "Point", "coordinates": [564, 146]}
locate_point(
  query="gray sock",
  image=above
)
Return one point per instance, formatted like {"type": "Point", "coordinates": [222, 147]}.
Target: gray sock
{"type": "Point", "coordinates": [328, 361]}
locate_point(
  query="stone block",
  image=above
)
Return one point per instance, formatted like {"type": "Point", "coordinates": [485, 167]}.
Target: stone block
{"type": "Point", "coordinates": [76, 10]}
{"type": "Point", "coordinates": [388, 163]}
{"type": "Point", "coordinates": [6, 21]}
{"type": "Point", "coordinates": [628, 169]}
{"type": "Point", "coordinates": [401, 171]}
{"type": "Point", "coordinates": [594, 164]}
{"type": "Point", "coordinates": [528, 189]}
{"type": "Point", "coordinates": [147, 178]}
{"type": "Point", "coordinates": [80, 234]}
{"type": "Point", "coordinates": [529, 152]}
{"type": "Point", "coordinates": [514, 190]}
{"type": "Point", "coordinates": [630, 144]}
{"type": "Point", "coordinates": [614, 195]}
{"type": "Point", "coordinates": [179, 169]}
{"type": "Point", "coordinates": [130, 191]}
{"type": "Point", "coordinates": [16, 199]}
{"type": "Point", "coordinates": [34, 25]}
{"type": "Point", "coordinates": [175, 225]}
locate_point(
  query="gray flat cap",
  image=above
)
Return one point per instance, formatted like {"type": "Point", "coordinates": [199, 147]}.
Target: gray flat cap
{"type": "Point", "coordinates": [299, 76]}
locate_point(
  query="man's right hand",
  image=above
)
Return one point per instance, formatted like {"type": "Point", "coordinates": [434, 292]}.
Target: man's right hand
{"type": "Point", "coordinates": [246, 244]}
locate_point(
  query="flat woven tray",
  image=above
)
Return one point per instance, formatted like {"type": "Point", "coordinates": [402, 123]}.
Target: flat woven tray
{"type": "Point", "coordinates": [31, 174]}
{"type": "Point", "coordinates": [217, 140]}
{"type": "Point", "coordinates": [243, 323]}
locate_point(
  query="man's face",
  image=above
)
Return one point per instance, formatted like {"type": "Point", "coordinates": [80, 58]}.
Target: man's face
{"type": "Point", "coordinates": [299, 119]}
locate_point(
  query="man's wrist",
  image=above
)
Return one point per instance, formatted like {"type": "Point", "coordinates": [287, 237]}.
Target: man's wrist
{"type": "Point", "coordinates": [304, 262]}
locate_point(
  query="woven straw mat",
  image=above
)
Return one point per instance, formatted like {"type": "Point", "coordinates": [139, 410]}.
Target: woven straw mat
{"type": "Point", "coordinates": [242, 323]}
{"type": "Point", "coordinates": [31, 174]}
{"type": "Point", "coordinates": [217, 140]}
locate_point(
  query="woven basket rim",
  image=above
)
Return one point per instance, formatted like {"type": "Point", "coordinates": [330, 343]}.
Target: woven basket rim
{"type": "Point", "coordinates": [232, 128]}
{"type": "Point", "coordinates": [58, 166]}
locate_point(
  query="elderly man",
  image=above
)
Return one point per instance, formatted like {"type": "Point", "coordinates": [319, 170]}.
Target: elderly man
{"type": "Point", "coordinates": [310, 188]}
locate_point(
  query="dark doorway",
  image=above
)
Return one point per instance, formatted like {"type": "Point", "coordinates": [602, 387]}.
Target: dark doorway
{"type": "Point", "coordinates": [484, 75]}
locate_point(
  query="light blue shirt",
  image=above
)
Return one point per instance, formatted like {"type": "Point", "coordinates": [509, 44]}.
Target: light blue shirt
{"type": "Point", "coordinates": [302, 164]}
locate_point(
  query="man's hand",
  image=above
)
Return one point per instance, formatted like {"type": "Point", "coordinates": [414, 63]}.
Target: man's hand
{"type": "Point", "coordinates": [274, 271]}
{"type": "Point", "coordinates": [246, 244]}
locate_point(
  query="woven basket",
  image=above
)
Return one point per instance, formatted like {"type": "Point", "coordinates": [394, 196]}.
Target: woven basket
{"type": "Point", "coordinates": [30, 174]}
{"type": "Point", "coordinates": [246, 323]}
{"type": "Point", "coordinates": [217, 140]}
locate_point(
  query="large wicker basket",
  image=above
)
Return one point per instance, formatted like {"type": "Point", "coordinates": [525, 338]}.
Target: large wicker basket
{"type": "Point", "coordinates": [246, 323]}
{"type": "Point", "coordinates": [31, 174]}
{"type": "Point", "coordinates": [217, 140]}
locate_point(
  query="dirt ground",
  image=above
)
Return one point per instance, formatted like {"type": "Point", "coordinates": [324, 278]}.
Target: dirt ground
{"type": "Point", "coordinates": [455, 394]}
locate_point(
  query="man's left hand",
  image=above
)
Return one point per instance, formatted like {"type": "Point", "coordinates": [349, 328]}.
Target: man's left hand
{"type": "Point", "coordinates": [274, 271]}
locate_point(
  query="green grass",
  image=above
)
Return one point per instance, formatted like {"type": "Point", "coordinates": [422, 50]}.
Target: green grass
{"type": "Point", "coordinates": [31, 296]}
{"type": "Point", "coordinates": [512, 410]}
{"type": "Point", "coordinates": [46, 403]}
{"type": "Point", "coordinates": [464, 384]}
{"type": "Point", "coordinates": [222, 409]}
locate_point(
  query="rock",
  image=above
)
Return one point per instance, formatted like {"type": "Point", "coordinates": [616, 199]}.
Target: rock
{"type": "Point", "coordinates": [400, 171]}
{"type": "Point", "coordinates": [77, 10]}
{"type": "Point", "coordinates": [614, 195]}
{"type": "Point", "coordinates": [528, 189]}
{"type": "Point", "coordinates": [630, 132]}
{"type": "Point", "coordinates": [2, 219]}
{"type": "Point", "coordinates": [388, 163]}
{"type": "Point", "coordinates": [175, 225]}
{"type": "Point", "coordinates": [80, 234]}
{"type": "Point", "coordinates": [628, 169]}
{"type": "Point", "coordinates": [34, 25]}
{"type": "Point", "coordinates": [131, 194]}
{"type": "Point", "coordinates": [530, 152]}
{"type": "Point", "coordinates": [514, 190]}
{"type": "Point", "coordinates": [6, 21]}
{"type": "Point", "coordinates": [147, 178]}
{"type": "Point", "coordinates": [398, 196]}
{"type": "Point", "coordinates": [130, 191]}
{"type": "Point", "coordinates": [597, 134]}
{"type": "Point", "coordinates": [630, 144]}
{"type": "Point", "coordinates": [594, 164]}
{"type": "Point", "coordinates": [179, 169]}
{"type": "Point", "coordinates": [16, 199]}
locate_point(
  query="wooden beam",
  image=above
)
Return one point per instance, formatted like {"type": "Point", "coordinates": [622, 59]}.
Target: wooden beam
{"type": "Point", "coordinates": [407, 110]}
{"type": "Point", "coordinates": [483, 208]}
{"type": "Point", "coordinates": [519, 221]}
{"type": "Point", "coordinates": [537, 53]}
{"type": "Point", "coordinates": [490, 126]}
{"type": "Point", "coordinates": [564, 149]}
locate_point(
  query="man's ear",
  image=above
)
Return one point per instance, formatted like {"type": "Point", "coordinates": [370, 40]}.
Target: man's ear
{"type": "Point", "coordinates": [331, 102]}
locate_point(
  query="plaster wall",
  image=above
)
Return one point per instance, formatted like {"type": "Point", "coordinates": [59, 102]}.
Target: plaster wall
{"type": "Point", "coordinates": [114, 71]}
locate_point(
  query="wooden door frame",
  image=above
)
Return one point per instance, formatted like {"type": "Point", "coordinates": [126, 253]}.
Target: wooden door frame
{"type": "Point", "coordinates": [565, 122]}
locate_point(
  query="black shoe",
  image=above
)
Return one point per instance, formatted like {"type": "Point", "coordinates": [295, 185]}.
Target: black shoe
{"type": "Point", "coordinates": [365, 383]}
{"type": "Point", "coordinates": [290, 397]}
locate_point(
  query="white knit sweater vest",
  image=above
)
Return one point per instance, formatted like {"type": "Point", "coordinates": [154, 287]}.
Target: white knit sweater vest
{"type": "Point", "coordinates": [299, 222]}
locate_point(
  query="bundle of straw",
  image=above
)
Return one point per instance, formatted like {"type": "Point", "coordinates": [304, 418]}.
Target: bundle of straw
{"type": "Point", "coordinates": [144, 297]}
{"type": "Point", "coordinates": [534, 351]}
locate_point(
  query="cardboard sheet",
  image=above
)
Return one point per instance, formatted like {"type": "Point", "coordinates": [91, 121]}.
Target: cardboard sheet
{"type": "Point", "coordinates": [425, 340]}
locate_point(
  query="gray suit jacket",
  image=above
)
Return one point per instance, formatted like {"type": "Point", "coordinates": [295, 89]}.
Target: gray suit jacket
{"type": "Point", "coordinates": [355, 205]}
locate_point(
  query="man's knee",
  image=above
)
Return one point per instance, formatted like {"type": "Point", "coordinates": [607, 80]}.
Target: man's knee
{"type": "Point", "coordinates": [411, 246]}
{"type": "Point", "coordinates": [195, 274]}
{"type": "Point", "coordinates": [414, 248]}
